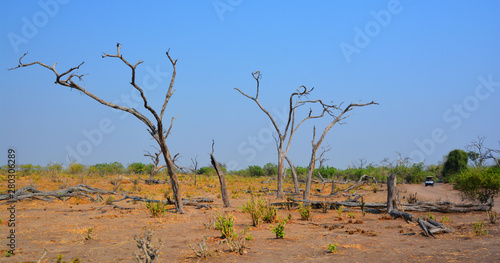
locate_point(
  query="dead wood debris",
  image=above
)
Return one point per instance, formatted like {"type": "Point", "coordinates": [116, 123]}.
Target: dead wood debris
{"type": "Point", "coordinates": [85, 191]}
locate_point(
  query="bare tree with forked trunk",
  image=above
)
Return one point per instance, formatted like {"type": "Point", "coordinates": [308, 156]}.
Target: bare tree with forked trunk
{"type": "Point", "coordinates": [157, 131]}
{"type": "Point", "coordinates": [284, 136]}
{"type": "Point", "coordinates": [337, 118]}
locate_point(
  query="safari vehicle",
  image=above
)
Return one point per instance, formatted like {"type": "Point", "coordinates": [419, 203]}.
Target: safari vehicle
{"type": "Point", "coordinates": [429, 180]}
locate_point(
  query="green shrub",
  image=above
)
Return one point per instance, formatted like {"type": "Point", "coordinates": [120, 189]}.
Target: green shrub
{"type": "Point", "coordinates": [279, 229]}
{"type": "Point", "coordinates": [75, 168]}
{"type": "Point", "coordinates": [305, 212]}
{"type": "Point", "coordinates": [226, 226]}
{"type": "Point", "coordinates": [270, 214]}
{"type": "Point", "coordinates": [137, 168]}
{"type": "Point", "coordinates": [456, 162]}
{"type": "Point", "coordinates": [479, 184]}
{"type": "Point", "coordinates": [255, 171]}
{"type": "Point", "coordinates": [256, 208]}
{"type": "Point", "coordinates": [54, 167]}
{"type": "Point", "coordinates": [270, 169]}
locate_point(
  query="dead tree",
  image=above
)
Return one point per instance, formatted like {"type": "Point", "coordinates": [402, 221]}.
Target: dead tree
{"type": "Point", "coordinates": [220, 173]}
{"type": "Point", "coordinates": [157, 131]}
{"type": "Point", "coordinates": [392, 193]}
{"type": "Point", "coordinates": [477, 152]}
{"type": "Point", "coordinates": [294, 176]}
{"type": "Point", "coordinates": [195, 168]}
{"type": "Point", "coordinates": [330, 109]}
{"type": "Point", "coordinates": [155, 169]}
{"type": "Point", "coordinates": [284, 136]}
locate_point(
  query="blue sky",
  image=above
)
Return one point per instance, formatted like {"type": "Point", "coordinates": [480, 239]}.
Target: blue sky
{"type": "Point", "coordinates": [434, 67]}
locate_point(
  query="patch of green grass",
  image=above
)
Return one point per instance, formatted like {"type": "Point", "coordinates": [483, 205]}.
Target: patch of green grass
{"type": "Point", "coordinates": [156, 209]}
{"type": "Point", "coordinates": [446, 219]}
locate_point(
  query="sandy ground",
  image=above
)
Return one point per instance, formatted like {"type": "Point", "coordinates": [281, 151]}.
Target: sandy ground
{"type": "Point", "coordinates": [60, 228]}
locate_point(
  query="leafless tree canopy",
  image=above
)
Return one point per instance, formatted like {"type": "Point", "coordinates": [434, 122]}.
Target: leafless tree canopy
{"type": "Point", "coordinates": [285, 136]}
{"type": "Point", "coordinates": [70, 77]}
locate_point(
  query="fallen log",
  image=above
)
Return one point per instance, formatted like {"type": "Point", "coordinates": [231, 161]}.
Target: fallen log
{"type": "Point", "coordinates": [436, 206]}
{"type": "Point", "coordinates": [29, 192]}
{"type": "Point", "coordinates": [429, 226]}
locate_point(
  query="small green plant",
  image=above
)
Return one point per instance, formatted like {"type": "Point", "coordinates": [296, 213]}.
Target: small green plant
{"type": "Point", "coordinates": [289, 217]}
{"type": "Point", "coordinates": [8, 254]}
{"type": "Point", "coordinates": [256, 209]}
{"type": "Point", "coordinates": [445, 219]}
{"type": "Point", "coordinates": [375, 189]}
{"type": "Point", "coordinates": [88, 234]}
{"type": "Point", "coordinates": [279, 229]}
{"type": "Point", "coordinates": [60, 260]}
{"type": "Point", "coordinates": [157, 209]}
{"type": "Point", "coordinates": [249, 237]}
{"type": "Point", "coordinates": [351, 215]}
{"type": "Point", "coordinates": [333, 248]}
{"type": "Point", "coordinates": [340, 210]}
{"type": "Point", "coordinates": [479, 228]}
{"type": "Point", "coordinates": [305, 212]}
{"type": "Point", "coordinates": [226, 226]}
{"type": "Point", "coordinates": [431, 216]}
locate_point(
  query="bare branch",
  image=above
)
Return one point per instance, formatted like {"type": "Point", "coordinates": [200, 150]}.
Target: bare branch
{"type": "Point", "coordinates": [170, 127]}
{"type": "Point", "coordinates": [71, 84]}
{"type": "Point", "coordinates": [171, 85]}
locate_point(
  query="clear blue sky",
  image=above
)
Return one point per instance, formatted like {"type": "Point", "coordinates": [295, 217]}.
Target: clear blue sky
{"type": "Point", "coordinates": [434, 67]}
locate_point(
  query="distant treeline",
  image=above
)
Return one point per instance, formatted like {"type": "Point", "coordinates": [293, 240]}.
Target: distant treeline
{"type": "Point", "coordinates": [414, 173]}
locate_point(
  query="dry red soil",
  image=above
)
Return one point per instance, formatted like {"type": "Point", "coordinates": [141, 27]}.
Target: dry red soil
{"type": "Point", "coordinates": [60, 227]}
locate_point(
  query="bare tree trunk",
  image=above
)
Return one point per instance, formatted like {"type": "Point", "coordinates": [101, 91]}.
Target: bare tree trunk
{"type": "Point", "coordinates": [174, 182]}
{"type": "Point", "coordinates": [310, 171]}
{"type": "Point", "coordinates": [333, 187]}
{"type": "Point", "coordinates": [392, 193]}
{"type": "Point", "coordinates": [283, 135]}
{"type": "Point", "coordinates": [220, 173]}
{"type": "Point", "coordinates": [330, 109]}
{"type": "Point", "coordinates": [279, 177]}
{"type": "Point", "coordinates": [294, 176]}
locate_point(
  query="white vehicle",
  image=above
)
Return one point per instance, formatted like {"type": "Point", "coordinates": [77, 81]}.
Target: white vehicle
{"type": "Point", "coordinates": [429, 180]}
